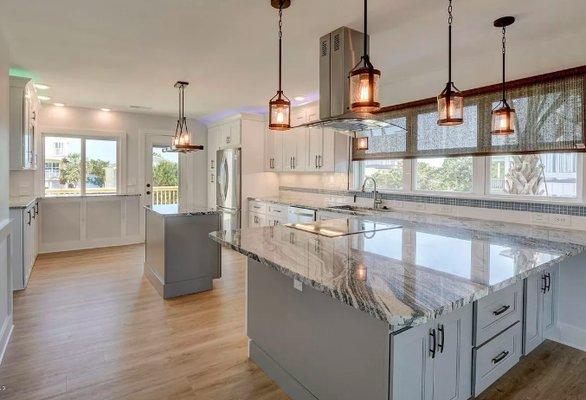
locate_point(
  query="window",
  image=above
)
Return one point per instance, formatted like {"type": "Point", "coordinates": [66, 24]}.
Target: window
{"type": "Point", "coordinates": [387, 173]}
{"type": "Point", "coordinates": [535, 175]}
{"type": "Point", "coordinates": [453, 174]}
{"type": "Point", "coordinates": [77, 166]}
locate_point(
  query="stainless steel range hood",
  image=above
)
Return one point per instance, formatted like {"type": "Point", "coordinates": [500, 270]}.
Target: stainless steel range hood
{"type": "Point", "coordinates": [340, 51]}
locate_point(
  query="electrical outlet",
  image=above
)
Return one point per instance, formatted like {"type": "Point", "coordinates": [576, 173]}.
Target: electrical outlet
{"type": "Point", "coordinates": [297, 284]}
{"type": "Point", "coordinates": [541, 219]}
{"type": "Point", "coordinates": [560, 220]}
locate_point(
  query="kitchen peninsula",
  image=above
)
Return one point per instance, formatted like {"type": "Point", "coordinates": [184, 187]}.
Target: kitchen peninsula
{"type": "Point", "coordinates": [179, 258]}
{"type": "Point", "coordinates": [401, 313]}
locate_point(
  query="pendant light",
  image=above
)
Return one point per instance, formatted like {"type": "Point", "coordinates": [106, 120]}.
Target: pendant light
{"type": "Point", "coordinates": [181, 141]}
{"type": "Point", "coordinates": [364, 79]}
{"type": "Point", "coordinates": [280, 105]}
{"type": "Point", "coordinates": [450, 102]}
{"type": "Point", "coordinates": [503, 116]}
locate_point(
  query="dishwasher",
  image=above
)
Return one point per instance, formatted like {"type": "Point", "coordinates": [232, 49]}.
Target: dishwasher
{"type": "Point", "coordinates": [297, 215]}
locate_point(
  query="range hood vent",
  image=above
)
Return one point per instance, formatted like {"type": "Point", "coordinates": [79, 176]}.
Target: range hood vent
{"type": "Point", "coordinates": [339, 52]}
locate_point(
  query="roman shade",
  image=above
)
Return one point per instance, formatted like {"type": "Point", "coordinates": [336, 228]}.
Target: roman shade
{"type": "Point", "coordinates": [550, 118]}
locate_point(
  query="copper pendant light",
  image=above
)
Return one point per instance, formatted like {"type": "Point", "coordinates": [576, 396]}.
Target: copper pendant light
{"type": "Point", "coordinates": [450, 102]}
{"type": "Point", "coordinates": [503, 116]}
{"type": "Point", "coordinates": [181, 142]}
{"type": "Point", "coordinates": [364, 79]}
{"type": "Point", "coordinates": [280, 105]}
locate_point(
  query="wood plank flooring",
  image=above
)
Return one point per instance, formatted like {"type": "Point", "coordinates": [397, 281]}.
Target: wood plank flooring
{"type": "Point", "coordinates": [89, 326]}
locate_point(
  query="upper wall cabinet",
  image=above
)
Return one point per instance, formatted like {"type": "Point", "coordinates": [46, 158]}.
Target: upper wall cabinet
{"type": "Point", "coordinates": [302, 149]}
{"type": "Point", "coordinates": [24, 108]}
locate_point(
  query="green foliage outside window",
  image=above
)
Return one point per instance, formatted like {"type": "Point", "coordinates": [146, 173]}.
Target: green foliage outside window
{"type": "Point", "coordinates": [165, 172]}
{"type": "Point", "coordinates": [454, 175]}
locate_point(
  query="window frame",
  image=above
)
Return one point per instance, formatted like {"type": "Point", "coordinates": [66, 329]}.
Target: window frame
{"type": "Point", "coordinates": [84, 135]}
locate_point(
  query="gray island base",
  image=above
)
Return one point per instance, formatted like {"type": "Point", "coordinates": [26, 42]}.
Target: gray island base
{"type": "Point", "coordinates": [179, 257]}
{"type": "Point", "coordinates": [384, 315]}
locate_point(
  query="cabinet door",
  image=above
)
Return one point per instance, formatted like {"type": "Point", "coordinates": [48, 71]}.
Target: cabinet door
{"type": "Point", "coordinates": [533, 331]}
{"type": "Point", "coordinates": [233, 138]}
{"type": "Point", "coordinates": [315, 141]}
{"type": "Point", "coordinates": [452, 370]}
{"type": "Point", "coordinates": [289, 151]}
{"type": "Point", "coordinates": [412, 368]}
{"type": "Point", "coordinates": [549, 302]}
{"type": "Point", "coordinates": [213, 136]}
{"type": "Point", "coordinates": [273, 151]}
{"type": "Point", "coordinates": [327, 162]}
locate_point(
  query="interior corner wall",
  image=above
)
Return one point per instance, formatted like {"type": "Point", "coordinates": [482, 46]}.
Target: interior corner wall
{"type": "Point", "coordinates": [5, 276]}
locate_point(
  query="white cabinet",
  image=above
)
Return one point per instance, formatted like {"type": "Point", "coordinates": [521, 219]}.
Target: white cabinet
{"type": "Point", "coordinates": [433, 361]}
{"type": "Point", "coordinates": [24, 249]}
{"type": "Point", "coordinates": [23, 120]}
{"type": "Point", "coordinates": [273, 157]}
{"type": "Point", "coordinates": [230, 134]}
{"type": "Point", "coordinates": [214, 138]}
{"type": "Point", "coordinates": [256, 220]}
{"type": "Point", "coordinates": [540, 308]}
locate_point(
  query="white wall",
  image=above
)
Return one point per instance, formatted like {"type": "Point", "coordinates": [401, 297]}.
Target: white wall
{"type": "Point", "coordinates": [5, 276]}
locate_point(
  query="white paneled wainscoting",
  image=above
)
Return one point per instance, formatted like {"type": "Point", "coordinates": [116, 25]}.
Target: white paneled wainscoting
{"type": "Point", "coordinates": [89, 221]}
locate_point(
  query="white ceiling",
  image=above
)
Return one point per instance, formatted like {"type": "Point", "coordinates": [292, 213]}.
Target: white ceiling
{"type": "Point", "coordinates": [113, 53]}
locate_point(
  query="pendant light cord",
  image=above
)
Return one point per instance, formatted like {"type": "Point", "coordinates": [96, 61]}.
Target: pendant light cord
{"type": "Point", "coordinates": [280, 41]}
{"type": "Point", "coordinates": [504, 65]}
{"type": "Point", "coordinates": [365, 30]}
{"type": "Point", "coordinates": [450, 20]}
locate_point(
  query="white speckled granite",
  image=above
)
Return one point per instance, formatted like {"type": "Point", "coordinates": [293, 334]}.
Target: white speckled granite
{"type": "Point", "coordinates": [175, 210]}
{"type": "Point", "coordinates": [407, 275]}
{"type": "Point", "coordinates": [21, 202]}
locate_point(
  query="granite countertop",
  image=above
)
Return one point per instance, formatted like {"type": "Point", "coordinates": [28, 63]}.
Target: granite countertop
{"type": "Point", "coordinates": [408, 275]}
{"type": "Point", "coordinates": [174, 210]}
{"type": "Point", "coordinates": [21, 202]}
{"type": "Point", "coordinates": [308, 203]}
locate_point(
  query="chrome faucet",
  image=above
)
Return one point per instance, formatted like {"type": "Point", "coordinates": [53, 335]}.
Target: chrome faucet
{"type": "Point", "coordinates": [377, 198]}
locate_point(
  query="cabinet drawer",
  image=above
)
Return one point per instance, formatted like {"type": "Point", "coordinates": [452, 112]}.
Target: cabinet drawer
{"type": "Point", "coordinates": [497, 311]}
{"type": "Point", "coordinates": [278, 211]}
{"type": "Point", "coordinates": [257, 207]}
{"type": "Point", "coordinates": [495, 358]}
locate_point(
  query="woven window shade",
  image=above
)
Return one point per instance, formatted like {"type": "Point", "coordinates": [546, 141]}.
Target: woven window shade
{"type": "Point", "coordinates": [550, 118]}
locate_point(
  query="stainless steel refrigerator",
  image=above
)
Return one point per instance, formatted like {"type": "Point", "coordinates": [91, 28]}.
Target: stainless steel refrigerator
{"type": "Point", "coordinates": [228, 193]}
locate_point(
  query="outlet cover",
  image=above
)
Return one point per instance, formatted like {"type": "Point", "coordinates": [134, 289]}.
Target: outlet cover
{"type": "Point", "coordinates": [560, 220]}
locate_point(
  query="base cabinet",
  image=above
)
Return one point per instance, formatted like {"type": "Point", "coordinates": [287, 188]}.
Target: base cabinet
{"type": "Point", "coordinates": [540, 296]}
{"type": "Point", "coordinates": [433, 361]}
{"type": "Point", "coordinates": [24, 248]}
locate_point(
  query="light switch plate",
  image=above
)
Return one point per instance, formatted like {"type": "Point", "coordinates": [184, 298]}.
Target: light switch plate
{"type": "Point", "coordinates": [297, 284]}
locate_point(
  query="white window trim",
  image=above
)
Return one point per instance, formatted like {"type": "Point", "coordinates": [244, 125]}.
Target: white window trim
{"type": "Point", "coordinates": [480, 185]}
{"type": "Point", "coordinates": [84, 134]}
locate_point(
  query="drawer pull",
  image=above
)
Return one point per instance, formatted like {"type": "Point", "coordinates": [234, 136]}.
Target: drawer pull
{"type": "Point", "coordinates": [500, 357]}
{"type": "Point", "coordinates": [547, 282]}
{"type": "Point", "coordinates": [501, 310]}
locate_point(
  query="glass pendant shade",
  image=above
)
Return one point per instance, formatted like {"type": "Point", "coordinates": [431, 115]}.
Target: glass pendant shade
{"type": "Point", "coordinates": [361, 143]}
{"type": "Point", "coordinates": [181, 141]}
{"type": "Point", "coordinates": [364, 90]}
{"type": "Point", "coordinates": [279, 113]}
{"type": "Point", "coordinates": [450, 106]}
{"type": "Point", "coordinates": [503, 120]}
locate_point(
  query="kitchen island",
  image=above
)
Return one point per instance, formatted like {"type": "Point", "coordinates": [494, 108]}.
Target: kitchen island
{"type": "Point", "coordinates": [179, 258]}
{"type": "Point", "coordinates": [420, 311]}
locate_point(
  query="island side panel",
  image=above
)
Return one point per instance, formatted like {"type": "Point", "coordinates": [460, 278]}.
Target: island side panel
{"type": "Point", "coordinates": [154, 263]}
{"type": "Point", "coordinates": [312, 344]}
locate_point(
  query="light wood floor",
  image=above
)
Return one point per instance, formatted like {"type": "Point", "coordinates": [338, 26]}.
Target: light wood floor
{"type": "Point", "coordinates": [90, 327]}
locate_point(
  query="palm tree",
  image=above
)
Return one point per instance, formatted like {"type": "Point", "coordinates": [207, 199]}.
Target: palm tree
{"type": "Point", "coordinates": [545, 119]}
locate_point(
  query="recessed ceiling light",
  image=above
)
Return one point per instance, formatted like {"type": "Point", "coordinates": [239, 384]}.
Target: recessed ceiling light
{"type": "Point", "coordinates": [59, 104]}
{"type": "Point", "coordinates": [41, 86]}
{"type": "Point", "coordinates": [105, 109]}
{"type": "Point", "coordinates": [299, 98]}
{"type": "Point", "coordinates": [44, 98]}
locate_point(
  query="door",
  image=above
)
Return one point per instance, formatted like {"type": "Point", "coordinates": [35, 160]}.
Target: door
{"type": "Point", "coordinates": [315, 148]}
{"type": "Point", "coordinates": [273, 151]}
{"type": "Point", "coordinates": [162, 175]}
{"type": "Point", "coordinates": [549, 304]}
{"type": "Point", "coordinates": [289, 151]}
{"type": "Point", "coordinates": [533, 335]}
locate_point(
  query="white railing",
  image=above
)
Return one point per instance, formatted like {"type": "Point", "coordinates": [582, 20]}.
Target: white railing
{"type": "Point", "coordinates": [497, 184]}
{"type": "Point", "coordinates": [77, 192]}
{"type": "Point", "coordinates": [165, 195]}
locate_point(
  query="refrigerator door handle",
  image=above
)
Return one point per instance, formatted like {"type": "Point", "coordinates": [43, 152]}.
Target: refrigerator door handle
{"type": "Point", "coordinates": [226, 178]}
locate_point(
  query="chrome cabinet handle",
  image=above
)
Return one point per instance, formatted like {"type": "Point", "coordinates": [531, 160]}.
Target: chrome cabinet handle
{"type": "Point", "coordinates": [440, 330]}
{"type": "Point", "coordinates": [294, 163]}
{"type": "Point", "coordinates": [433, 348]}
{"type": "Point", "coordinates": [316, 165]}
{"type": "Point", "coordinates": [500, 357]}
{"type": "Point", "coordinates": [501, 310]}
{"type": "Point", "coordinates": [544, 283]}
{"type": "Point", "coordinates": [29, 218]}
{"type": "Point", "coordinates": [320, 162]}
{"type": "Point", "coordinates": [547, 282]}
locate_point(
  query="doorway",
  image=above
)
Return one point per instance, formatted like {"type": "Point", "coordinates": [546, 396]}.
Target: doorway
{"type": "Point", "coordinates": [162, 172]}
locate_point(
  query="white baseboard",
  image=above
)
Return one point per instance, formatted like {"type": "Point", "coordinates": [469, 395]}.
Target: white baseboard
{"type": "Point", "coordinates": [5, 334]}
{"type": "Point", "coordinates": [90, 244]}
{"type": "Point", "coordinates": [572, 336]}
